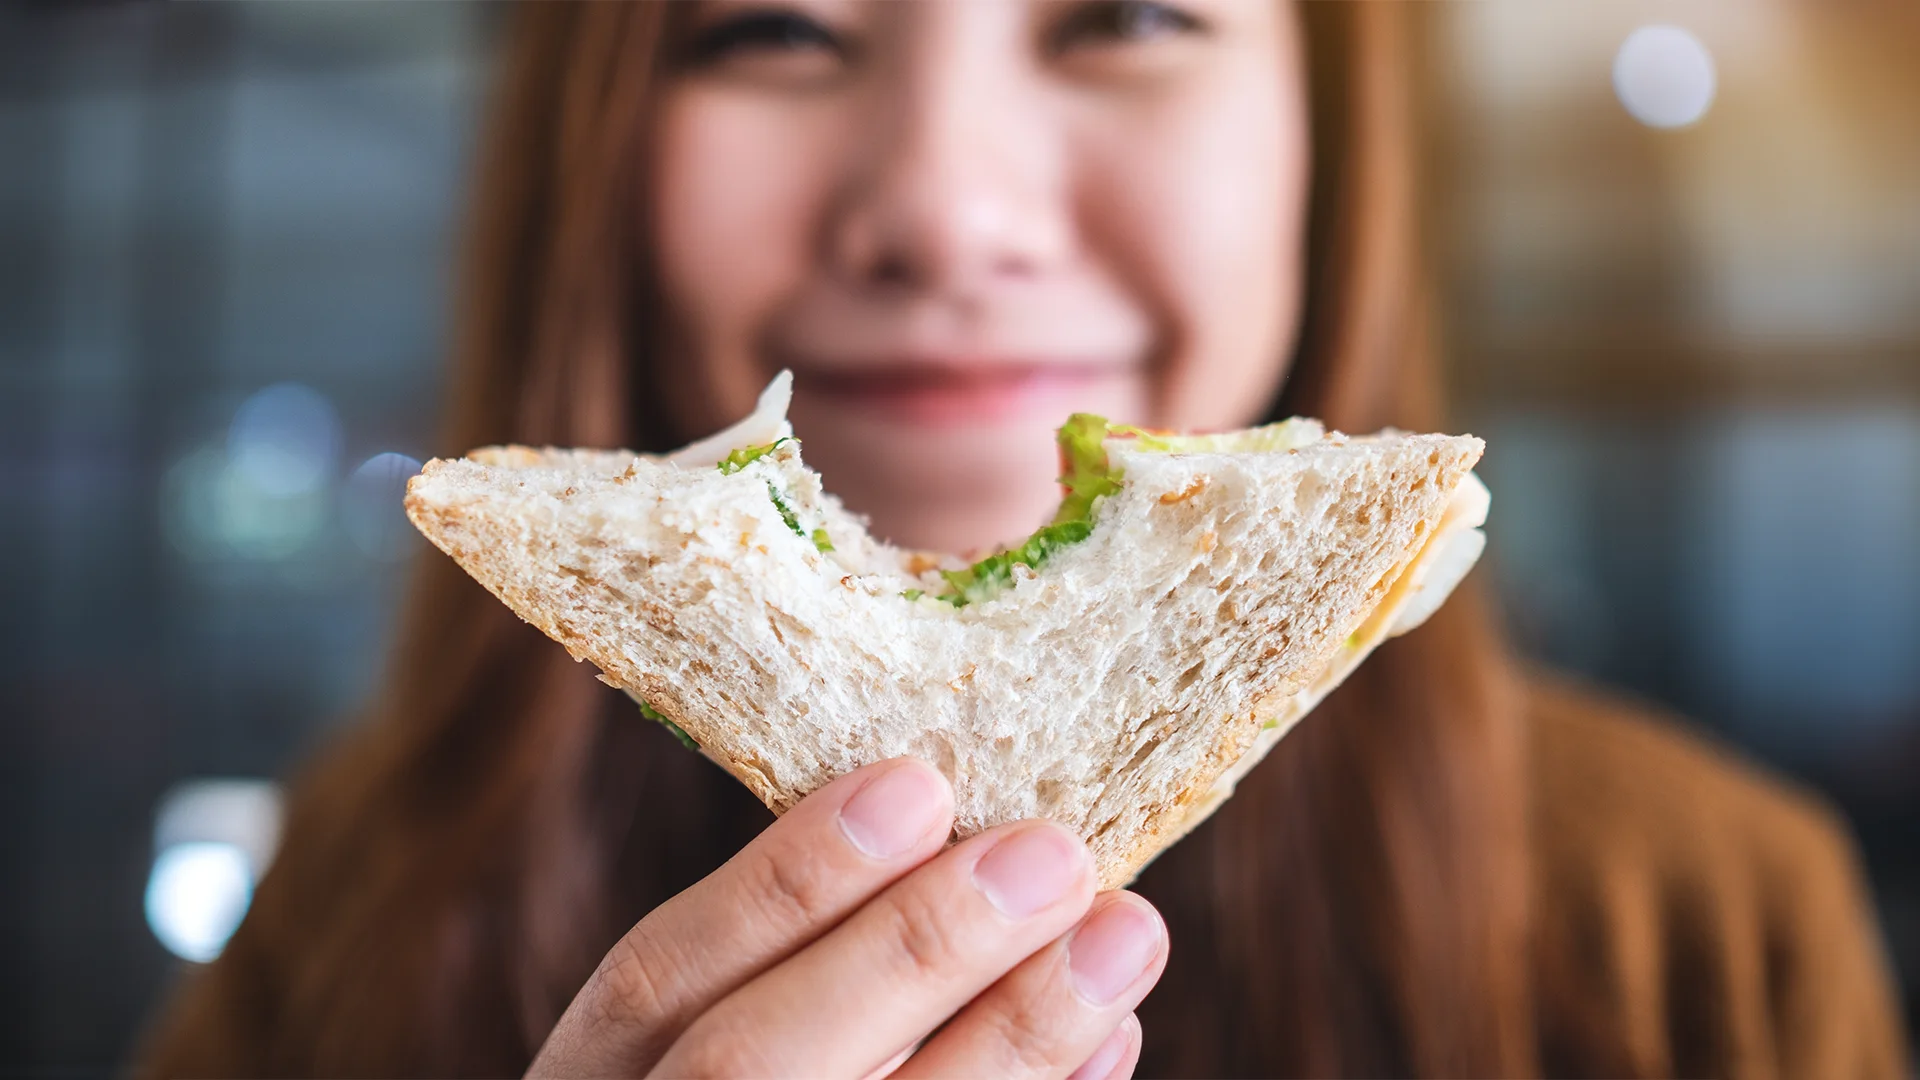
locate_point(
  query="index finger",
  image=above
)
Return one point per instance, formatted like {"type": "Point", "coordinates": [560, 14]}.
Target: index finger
{"type": "Point", "coordinates": [809, 870]}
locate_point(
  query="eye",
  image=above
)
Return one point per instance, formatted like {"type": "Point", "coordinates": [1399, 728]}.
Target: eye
{"type": "Point", "coordinates": [764, 33]}
{"type": "Point", "coordinates": [1119, 22]}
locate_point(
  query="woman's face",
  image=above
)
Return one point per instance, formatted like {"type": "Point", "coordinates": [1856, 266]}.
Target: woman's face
{"type": "Point", "coordinates": [958, 222]}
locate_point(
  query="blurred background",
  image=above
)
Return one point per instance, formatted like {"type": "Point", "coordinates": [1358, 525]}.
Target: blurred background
{"type": "Point", "coordinates": [1678, 248]}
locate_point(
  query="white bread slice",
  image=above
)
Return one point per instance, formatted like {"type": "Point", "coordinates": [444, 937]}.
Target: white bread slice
{"type": "Point", "coordinates": [1121, 690]}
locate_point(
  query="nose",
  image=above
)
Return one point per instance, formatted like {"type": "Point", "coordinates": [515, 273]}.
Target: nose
{"type": "Point", "coordinates": [956, 184]}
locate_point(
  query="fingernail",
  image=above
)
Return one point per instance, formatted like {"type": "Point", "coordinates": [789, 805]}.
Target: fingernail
{"type": "Point", "coordinates": [1030, 870]}
{"type": "Point", "coordinates": [895, 810]}
{"type": "Point", "coordinates": [1112, 949]}
{"type": "Point", "coordinates": [1100, 1065]}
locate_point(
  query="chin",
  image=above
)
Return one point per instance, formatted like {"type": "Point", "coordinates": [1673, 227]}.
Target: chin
{"type": "Point", "coordinates": [951, 489]}
{"type": "Point", "coordinates": [950, 479]}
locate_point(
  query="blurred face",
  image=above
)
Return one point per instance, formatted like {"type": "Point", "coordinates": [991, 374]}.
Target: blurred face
{"type": "Point", "coordinates": [958, 222]}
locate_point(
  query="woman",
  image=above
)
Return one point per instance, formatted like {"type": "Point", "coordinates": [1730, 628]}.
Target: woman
{"type": "Point", "coordinates": [956, 222]}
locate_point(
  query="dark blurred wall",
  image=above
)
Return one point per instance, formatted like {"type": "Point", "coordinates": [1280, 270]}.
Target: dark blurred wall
{"type": "Point", "coordinates": [198, 203]}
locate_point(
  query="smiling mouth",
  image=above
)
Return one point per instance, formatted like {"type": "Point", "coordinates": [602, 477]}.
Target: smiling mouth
{"type": "Point", "coordinates": [947, 394]}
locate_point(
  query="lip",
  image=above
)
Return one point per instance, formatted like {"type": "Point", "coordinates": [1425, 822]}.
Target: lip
{"type": "Point", "coordinates": [957, 392]}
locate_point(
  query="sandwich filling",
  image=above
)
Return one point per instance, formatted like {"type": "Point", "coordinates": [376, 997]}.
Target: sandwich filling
{"type": "Point", "coordinates": [1088, 475]}
{"type": "Point", "coordinates": [782, 502]}
{"type": "Point", "coordinates": [660, 718]}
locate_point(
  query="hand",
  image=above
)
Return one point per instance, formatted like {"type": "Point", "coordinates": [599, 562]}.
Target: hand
{"type": "Point", "coordinates": [843, 935]}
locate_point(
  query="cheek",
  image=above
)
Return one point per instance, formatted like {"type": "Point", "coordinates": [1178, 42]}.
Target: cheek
{"type": "Point", "coordinates": [1211, 213]}
{"type": "Point", "coordinates": [728, 245]}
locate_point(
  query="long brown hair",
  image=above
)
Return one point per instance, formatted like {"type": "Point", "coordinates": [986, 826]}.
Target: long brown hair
{"type": "Point", "coordinates": [453, 870]}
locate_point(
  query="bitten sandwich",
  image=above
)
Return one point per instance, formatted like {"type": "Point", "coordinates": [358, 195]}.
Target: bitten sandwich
{"type": "Point", "coordinates": [1118, 671]}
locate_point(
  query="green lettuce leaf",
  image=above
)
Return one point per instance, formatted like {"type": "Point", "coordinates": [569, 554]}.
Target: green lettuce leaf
{"type": "Point", "coordinates": [1083, 461]}
{"type": "Point", "coordinates": [747, 455]}
{"type": "Point", "coordinates": [786, 510]}
{"type": "Point", "coordinates": [655, 715]}
{"type": "Point", "coordinates": [985, 579]}
{"type": "Point", "coordinates": [1147, 440]}
{"type": "Point", "coordinates": [1286, 435]}
{"type": "Point", "coordinates": [1087, 475]}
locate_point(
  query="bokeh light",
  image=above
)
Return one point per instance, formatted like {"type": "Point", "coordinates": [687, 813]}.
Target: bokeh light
{"type": "Point", "coordinates": [371, 508]}
{"type": "Point", "coordinates": [212, 839]}
{"type": "Point", "coordinates": [196, 896]}
{"type": "Point", "coordinates": [188, 504]}
{"type": "Point", "coordinates": [214, 508]}
{"type": "Point", "coordinates": [1664, 76]}
{"type": "Point", "coordinates": [284, 441]}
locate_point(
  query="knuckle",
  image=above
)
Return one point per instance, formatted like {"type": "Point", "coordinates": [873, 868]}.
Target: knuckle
{"type": "Point", "coordinates": [718, 1054]}
{"type": "Point", "coordinates": [923, 934]}
{"type": "Point", "coordinates": [792, 890]}
{"type": "Point", "coordinates": [631, 990]}
{"type": "Point", "coordinates": [1026, 1038]}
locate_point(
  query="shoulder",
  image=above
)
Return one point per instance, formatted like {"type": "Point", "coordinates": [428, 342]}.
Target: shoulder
{"type": "Point", "coordinates": [1693, 913]}
{"type": "Point", "coordinates": [1615, 780]}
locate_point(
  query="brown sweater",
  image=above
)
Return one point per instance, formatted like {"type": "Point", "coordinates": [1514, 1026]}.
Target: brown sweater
{"type": "Point", "coordinates": [1711, 922]}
